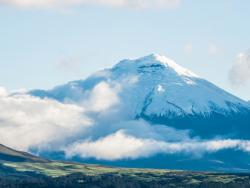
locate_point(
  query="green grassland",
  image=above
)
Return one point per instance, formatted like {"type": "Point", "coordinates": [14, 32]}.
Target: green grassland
{"type": "Point", "coordinates": [23, 170]}
{"type": "Point", "coordinates": [94, 175]}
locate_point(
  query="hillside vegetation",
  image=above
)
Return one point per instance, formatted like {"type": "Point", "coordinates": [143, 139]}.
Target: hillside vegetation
{"type": "Point", "coordinates": [23, 170]}
{"type": "Point", "coordinates": [60, 174]}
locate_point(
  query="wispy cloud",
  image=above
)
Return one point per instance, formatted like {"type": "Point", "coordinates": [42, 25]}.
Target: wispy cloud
{"type": "Point", "coordinates": [239, 74]}
{"type": "Point", "coordinates": [141, 4]}
{"type": "Point", "coordinates": [188, 48]}
{"type": "Point", "coordinates": [213, 49]}
{"type": "Point", "coordinates": [69, 65]}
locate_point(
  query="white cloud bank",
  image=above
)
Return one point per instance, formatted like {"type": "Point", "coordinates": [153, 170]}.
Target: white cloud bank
{"type": "Point", "coordinates": [141, 4]}
{"type": "Point", "coordinates": [95, 129]}
{"type": "Point", "coordinates": [240, 72]}
{"type": "Point", "coordinates": [28, 122]}
{"type": "Point", "coordinates": [120, 145]}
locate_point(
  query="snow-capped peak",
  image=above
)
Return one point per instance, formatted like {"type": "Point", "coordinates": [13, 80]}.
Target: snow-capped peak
{"type": "Point", "coordinates": [153, 85]}
{"type": "Point", "coordinates": [156, 59]}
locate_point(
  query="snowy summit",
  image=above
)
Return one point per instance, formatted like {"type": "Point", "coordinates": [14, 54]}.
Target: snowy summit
{"type": "Point", "coordinates": [153, 85]}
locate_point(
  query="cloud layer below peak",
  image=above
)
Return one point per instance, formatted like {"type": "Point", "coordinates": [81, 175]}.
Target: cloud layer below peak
{"type": "Point", "coordinates": [98, 127]}
{"type": "Point", "coordinates": [119, 146]}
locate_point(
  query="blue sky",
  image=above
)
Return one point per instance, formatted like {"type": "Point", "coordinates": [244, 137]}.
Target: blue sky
{"type": "Point", "coordinates": [43, 45]}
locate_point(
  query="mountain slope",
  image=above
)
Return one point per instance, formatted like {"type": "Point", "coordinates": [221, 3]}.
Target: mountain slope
{"type": "Point", "coordinates": [10, 155]}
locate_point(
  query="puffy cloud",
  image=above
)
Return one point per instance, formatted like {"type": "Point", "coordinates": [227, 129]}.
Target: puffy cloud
{"type": "Point", "coordinates": [44, 124]}
{"type": "Point", "coordinates": [112, 147]}
{"type": "Point", "coordinates": [113, 3]}
{"type": "Point", "coordinates": [102, 97]}
{"type": "Point", "coordinates": [3, 92]}
{"type": "Point", "coordinates": [122, 146]}
{"type": "Point", "coordinates": [29, 122]}
{"type": "Point", "coordinates": [240, 72]}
